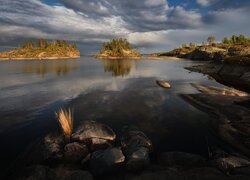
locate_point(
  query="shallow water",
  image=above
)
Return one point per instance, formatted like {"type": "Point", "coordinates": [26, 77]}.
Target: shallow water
{"type": "Point", "coordinates": [118, 93]}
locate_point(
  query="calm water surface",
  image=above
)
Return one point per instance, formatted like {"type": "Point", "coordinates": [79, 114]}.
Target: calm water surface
{"type": "Point", "coordinates": [117, 93]}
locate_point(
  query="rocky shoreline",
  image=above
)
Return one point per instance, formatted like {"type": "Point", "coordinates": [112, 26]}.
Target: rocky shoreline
{"type": "Point", "coordinates": [232, 75]}
{"type": "Point", "coordinates": [94, 152]}
{"type": "Point", "coordinates": [234, 54]}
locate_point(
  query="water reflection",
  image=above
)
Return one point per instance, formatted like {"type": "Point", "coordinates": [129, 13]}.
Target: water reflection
{"type": "Point", "coordinates": [118, 67]}
{"type": "Point", "coordinates": [61, 67]}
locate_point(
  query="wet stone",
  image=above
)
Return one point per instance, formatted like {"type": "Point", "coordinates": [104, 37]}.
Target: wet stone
{"type": "Point", "coordinates": [75, 152]}
{"type": "Point", "coordinates": [136, 147]}
{"type": "Point", "coordinates": [53, 147]}
{"type": "Point", "coordinates": [106, 161]}
{"type": "Point", "coordinates": [98, 144]}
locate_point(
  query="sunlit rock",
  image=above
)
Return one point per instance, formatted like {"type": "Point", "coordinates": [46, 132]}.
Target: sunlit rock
{"type": "Point", "coordinates": [219, 91]}
{"type": "Point", "coordinates": [163, 84]}
{"type": "Point", "coordinates": [91, 129]}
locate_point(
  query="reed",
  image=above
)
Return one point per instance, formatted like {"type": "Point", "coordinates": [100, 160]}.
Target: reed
{"type": "Point", "coordinates": [65, 119]}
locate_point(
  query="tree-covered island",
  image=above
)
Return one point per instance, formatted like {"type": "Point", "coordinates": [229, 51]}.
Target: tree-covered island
{"type": "Point", "coordinates": [116, 49]}
{"type": "Point", "coordinates": [42, 49]}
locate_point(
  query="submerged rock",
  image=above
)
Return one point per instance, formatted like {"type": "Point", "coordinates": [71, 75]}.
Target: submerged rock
{"type": "Point", "coordinates": [53, 147]}
{"type": "Point", "coordinates": [181, 159]}
{"type": "Point", "coordinates": [229, 163]}
{"type": "Point", "coordinates": [91, 129]}
{"type": "Point", "coordinates": [75, 152]}
{"type": "Point", "coordinates": [106, 161]}
{"type": "Point", "coordinates": [219, 91]}
{"type": "Point", "coordinates": [164, 84]}
{"type": "Point", "coordinates": [136, 147]}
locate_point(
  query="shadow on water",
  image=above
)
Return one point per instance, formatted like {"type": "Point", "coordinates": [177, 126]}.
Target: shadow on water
{"type": "Point", "coordinates": [31, 92]}
{"type": "Point", "coordinates": [171, 123]}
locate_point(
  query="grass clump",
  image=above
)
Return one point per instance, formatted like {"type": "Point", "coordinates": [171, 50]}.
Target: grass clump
{"type": "Point", "coordinates": [65, 119]}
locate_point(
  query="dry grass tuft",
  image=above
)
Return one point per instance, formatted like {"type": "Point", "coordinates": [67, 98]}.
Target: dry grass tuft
{"type": "Point", "coordinates": [65, 119]}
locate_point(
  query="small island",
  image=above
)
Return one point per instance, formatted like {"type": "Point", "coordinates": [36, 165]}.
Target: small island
{"type": "Point", "coordinates": [117, 49]}
{"type": "Point", "coordinates": [42, 49]}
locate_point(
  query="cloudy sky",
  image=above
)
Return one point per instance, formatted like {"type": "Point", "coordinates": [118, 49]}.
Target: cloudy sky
{"type": "Point", "coordinates": [150, 25]}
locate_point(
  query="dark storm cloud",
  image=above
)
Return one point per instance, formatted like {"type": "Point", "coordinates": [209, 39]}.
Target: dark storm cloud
{"type": "Point", "coordinates": [146, 23]}
{"type": "Point", "coordinates": [143, 15]}
{"type": "Point", "coordinates": [33, 19]}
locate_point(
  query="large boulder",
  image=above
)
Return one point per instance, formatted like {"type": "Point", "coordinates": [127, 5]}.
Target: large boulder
{"type": "Point", "coordinates": [75, 152]}
{"type": "Point", "coordinates": [136, 147]}
{"type": "Point", "coordinates": [53, 147]}
{"type": "Point", "coordinates": [106, 161]}
{"type": "Point", "coordinates": [181, 159]}
{"type": "Point", "coordinates": [91, 129]}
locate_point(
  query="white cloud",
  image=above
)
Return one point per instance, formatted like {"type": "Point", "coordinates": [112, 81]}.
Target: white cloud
{"type": "Point", "coordinates": [206, 2]}
{"type": "Point", "coordinates": [148, 24]}
{"type": "Point", "coordinates": [56, 22]}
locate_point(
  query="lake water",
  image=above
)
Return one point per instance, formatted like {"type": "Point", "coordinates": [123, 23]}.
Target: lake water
{"type": "Point", "coordinates": [115, 92]}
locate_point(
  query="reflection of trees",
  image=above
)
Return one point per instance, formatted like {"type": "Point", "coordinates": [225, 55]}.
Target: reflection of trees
{"type": "Point", "coordinates": [59, 67]}
{"type": "Point", "coordinates": [117, 67]}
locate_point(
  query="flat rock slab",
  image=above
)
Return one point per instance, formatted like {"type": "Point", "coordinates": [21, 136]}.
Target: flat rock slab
{"type": "Point", "coordinates": [233, 119]}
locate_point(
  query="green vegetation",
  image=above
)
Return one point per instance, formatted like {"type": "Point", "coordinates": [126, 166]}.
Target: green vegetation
{"type": "Point", "coordinates": [116, 45]}
{"type": "Point", "coordinates": [42, 49]}
{"type": "Point", "coordinates": [211, 40]}
{"type": "Point", "coordinates": [117, 48]}
{"type": "Point", "coordinates": [234, 40]}
{"type": "Point", "coordinates": [44, 44]}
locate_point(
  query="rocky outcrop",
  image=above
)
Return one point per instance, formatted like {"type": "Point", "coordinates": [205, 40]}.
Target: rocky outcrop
{"type": "Point", "coordinates": [233, 117]}
{"type": "Point", "coordinates": [237, 76]}
{"type": "Point", "coordinates": [236, 54]}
